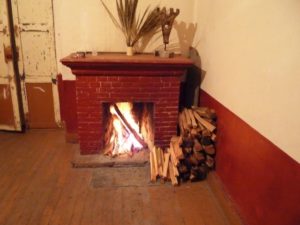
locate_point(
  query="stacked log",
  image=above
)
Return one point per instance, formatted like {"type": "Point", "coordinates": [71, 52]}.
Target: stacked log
{"type": "Point", "coordinates": [190, 155]}
{"type": "Point", "coordinates": [198, 134]}
{"type": "Point", "coordinates": [163, 165]}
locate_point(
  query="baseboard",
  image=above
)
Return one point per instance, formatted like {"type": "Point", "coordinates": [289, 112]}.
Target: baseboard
{"type": "Point", "coordinates": [71, 137]}
{"type": "Point", "coordinates": [228, 206]}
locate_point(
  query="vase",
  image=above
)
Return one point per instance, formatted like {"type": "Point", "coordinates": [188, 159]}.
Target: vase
{"type": "Point", "coordinates": [129, 51]}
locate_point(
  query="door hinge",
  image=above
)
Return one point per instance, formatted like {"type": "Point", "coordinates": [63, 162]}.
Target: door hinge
{"type": "Point", "coordinates": [5, 30]}
{"type": "Point", "coordinates": [8, 53]}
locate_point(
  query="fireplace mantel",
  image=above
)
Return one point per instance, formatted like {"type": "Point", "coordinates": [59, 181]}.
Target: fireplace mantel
{"type": "Point", "coordinates": [139, 64]}
{"type": "Point", "coordinates": [113, 77]}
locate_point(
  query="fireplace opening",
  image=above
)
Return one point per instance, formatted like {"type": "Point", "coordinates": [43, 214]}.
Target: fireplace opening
{"type": "Point", "coordinates": [128, 127]}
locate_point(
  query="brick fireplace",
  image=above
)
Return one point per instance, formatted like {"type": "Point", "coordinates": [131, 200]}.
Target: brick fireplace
{"type": "Point", "coordinates": [112, 77]}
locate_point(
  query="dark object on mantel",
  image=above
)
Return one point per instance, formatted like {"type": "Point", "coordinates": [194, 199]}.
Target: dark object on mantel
{"type": "Point", "coordinates": [167, 18]}
{"type": "Point", "coordinates": [86, 63]}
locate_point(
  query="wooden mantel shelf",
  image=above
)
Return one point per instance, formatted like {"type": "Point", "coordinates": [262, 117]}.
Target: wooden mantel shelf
{"type": "Point", "coordinates": [117, 63]}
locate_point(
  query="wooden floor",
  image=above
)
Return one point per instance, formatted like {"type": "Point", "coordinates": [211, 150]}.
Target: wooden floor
{"type": "Point", "coordinates": [38, 186]}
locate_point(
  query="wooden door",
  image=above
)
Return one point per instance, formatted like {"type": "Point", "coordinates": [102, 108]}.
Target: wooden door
{"type": "Point", "coordinates": [34, 35]}
{"type": "Point", "coordinates": [9, 104]}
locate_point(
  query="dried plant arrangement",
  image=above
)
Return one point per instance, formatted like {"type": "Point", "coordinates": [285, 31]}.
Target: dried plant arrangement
{"type": "Point", "coordinates": [134, 26]}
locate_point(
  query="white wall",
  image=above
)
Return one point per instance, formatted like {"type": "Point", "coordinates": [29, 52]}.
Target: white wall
{"type": "Point", "coordinates": [84, 25]}
{"type": "Point", "coordinates": [250, 50]}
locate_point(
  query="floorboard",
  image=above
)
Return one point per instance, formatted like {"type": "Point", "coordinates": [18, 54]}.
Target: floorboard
{"type": "Point", "coordinates": [39, 186]}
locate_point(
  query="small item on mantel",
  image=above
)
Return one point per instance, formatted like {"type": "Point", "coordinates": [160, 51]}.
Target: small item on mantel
{"type": "Point", "coordinates": [79, 55]}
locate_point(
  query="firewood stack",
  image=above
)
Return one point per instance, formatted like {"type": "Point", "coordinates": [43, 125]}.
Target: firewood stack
{"type": "Point", "coordinates": [198, 132]}
{"type": "Point", "coordinates": [191, 155]}
{"type": "Point", "coordinates": [163, 164]}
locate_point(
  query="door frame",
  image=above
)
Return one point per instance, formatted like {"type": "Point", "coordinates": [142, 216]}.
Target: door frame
{"type": "Point", "coordinates": [10, 77]}
{"type": "Point", "coordinates": [15, 64]}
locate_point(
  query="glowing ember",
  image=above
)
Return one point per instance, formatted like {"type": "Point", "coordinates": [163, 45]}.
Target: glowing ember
{"type": "Point", "coordinates": [124, 140]}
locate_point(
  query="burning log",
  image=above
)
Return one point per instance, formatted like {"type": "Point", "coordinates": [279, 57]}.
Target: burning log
{"type": "Point", "coordinates": [128, 126]}
{"type": "Point", "coordinates": [124, 131]}
{"type": "Point", "coordinates": [109, 148]}
{"type": "Point", "coordinates": [109, 130]}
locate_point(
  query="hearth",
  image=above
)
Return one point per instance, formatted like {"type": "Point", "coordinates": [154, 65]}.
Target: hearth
{"type": "Point", "coordinates": [109, 79]}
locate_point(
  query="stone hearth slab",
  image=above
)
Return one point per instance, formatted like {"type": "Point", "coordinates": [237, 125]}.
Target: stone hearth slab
{"type": "Point", "coordinates": [138, 159]}
{"type": "Point", "coordinates": [122, 177]}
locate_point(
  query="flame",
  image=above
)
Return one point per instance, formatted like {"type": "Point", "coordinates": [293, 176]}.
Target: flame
{"type": "Point", "coordinates": [124, 139]}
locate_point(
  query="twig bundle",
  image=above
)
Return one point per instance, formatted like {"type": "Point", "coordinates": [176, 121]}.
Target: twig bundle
{"type": "Point", "coordinates": [134, 27]}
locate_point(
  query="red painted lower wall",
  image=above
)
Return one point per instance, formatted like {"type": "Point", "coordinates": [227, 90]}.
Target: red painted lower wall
{"type": "Point", "coordinates": [67, 99]}
{"type": "Point", "coordinates": [263, 181]}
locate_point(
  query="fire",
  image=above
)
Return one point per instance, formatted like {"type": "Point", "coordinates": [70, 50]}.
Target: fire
{"type": "Point", "coordinates": [124, 140]}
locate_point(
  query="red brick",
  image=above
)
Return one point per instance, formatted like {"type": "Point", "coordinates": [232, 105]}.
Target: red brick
{"type": "Point", "coordinates": [94, 85]}
{"type": "Point", "coordinates": [150, 84]}
{"type": "Point", "coordinates": [117, 84]}
{"type": "Point", "coordinates": [123, 90]}
{"type": "Point", "coordinates": [170, 89]}
{"type": "Point", "coordinates": [82, 85]}
{"type": "Point", "coordinates": [162, 121]}
{"type": "Point", "coordinates": [167, 128]}
{"type": "Point", "coordinates": [129, 79]}
{"type": "Point", "coordinates": [150, 89]}
{"type": "Point", "coordinates": [106, 84]}
{"type": "Point", "coordinates": [102, 95]}
{"type": "Point", "coordinates": [101, 78]}
{"type": "Point", "coordinates": [86, 78]}
{"type": "Point", "coordinates": [113, 78]}
{"type": "Point", "coordinates": [151, 79]}
{"type": "Point", "coordinates": [170, 79]}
